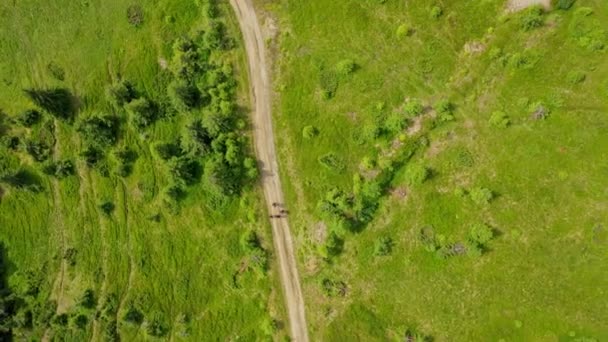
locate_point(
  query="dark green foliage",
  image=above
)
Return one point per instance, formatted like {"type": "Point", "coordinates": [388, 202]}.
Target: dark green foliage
{"type": "Point", "coordinates": [185, 169]}
{"type": "Point", "coordinates": [215, 38]}
{"type": "Point", "coordinates": [88, 300]}
{"type": "Point", "coordinates": [101, 130]}
{"type": "Point", "coordinates": [56, 101]}
{"type": "Point", "coordinates": [332, 161]}
{"type": "Point", "coordinates": [125, 158]}
{"type": "Point", "coordinates": [251, 168]}
{"type": "Point", "coordinates": [166, 151]}
{"type": "Point", "coordinates": [121, 93]}
{"type": "Point", "coordinates": [531, 18]}
{"type": "Point", "coordinates": [39, 150]}
{"type": "Point", "coordinates": [133, 316]}
{"type": "Point", "coordinates": [564, 4]}
{"type": "Point", "coordinates": [332, 247]}
{"type": "Point", "coordinates": [135, 15]}
{"type": "Point", "coordinates": [183, 95]}
{"type": "Point", "coordinates": [479, 236]}
{"type": "Point", "coordinates": [29, 117]}
{"type": "Point", "coordinates": [60, 320]}
{"type": "Point", "coordinates": [92, 156]}
{"type": "Point", "coordinates": [111, 331]}
{"type": "Point", "coordinates": [143, 113]}
{"type": "Point", "coordinates": [107, 207]}
{"type": "Point", "coordinates": [70, 256]}
{"type": "Point", "coordinates": [328, 81]}
{"type": "Point", "coordinates": [60, 168]}
{"type": "Point", "coordinates": [333, 288]}
{"type": "Point", "coordinates": [196, 139]}
{"type": "Point", "coordinates": [383, 246]}
{"type": "Point", "coordinates": [155, 326]}
{"type": "Point", "coordinates": [21, 179]}
{"type": "Point", "coordinates": [11, 142]}
{"type": "Point", "coordinates": [79, 321]}
{"type": "Point", "coordinates": [250, 241]}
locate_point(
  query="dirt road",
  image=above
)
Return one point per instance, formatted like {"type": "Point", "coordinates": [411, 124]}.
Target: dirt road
{"type": "Point", "coordinates": [259, 76]}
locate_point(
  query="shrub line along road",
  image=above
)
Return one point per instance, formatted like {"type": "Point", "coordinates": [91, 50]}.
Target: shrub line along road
{"type": "Point", "coordinates": [265, 150]}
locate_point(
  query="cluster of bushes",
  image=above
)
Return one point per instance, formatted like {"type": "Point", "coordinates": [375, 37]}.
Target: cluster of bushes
{"type": "Point", "coordinates": [60, 168]}
{"type": "Point", "coordinates": [333, 288]}
{"type": "Point", "coordinates": [443, 247]}
{"type": "Point", "coordinates": [258, 256]}
{"type": "Point", "coordinates": [587, 31]}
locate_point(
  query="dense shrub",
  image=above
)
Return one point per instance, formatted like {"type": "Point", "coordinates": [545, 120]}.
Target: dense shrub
{"type": "Point", "coordinates": [60, 168]}
{"type": "Point", "coordinates": [251, 168]}
{"type": "Point", "coordinates": [125, 158]}
{"type": "Point", "coordinates": [250, 241]}
{"type": "Point", "coordinates": [332, 246]}
{"type": "Point", "coordinates": [383, 246]}
{"type": "Point", "coordinates": [88, 300]}
{"type": "Point", "coordinates": [531, 18]}
{"type": "Point", "coordinates": [413, 107]}
{"type": "Point", "coordinates": [133, 316]}
{"type": "Point", "coordinates": [184, 168]}
{"type": "Point", "coordinates": [331, 161]}
{"type": "Point", "coordinates": [481, 233]}
{"type": "Point", "coordinates": [135, 15]}
{"type": "Point", "coordinates": [121, 93]}
{"type": "Point", "coordinates": [107, 207]}
{"type": "Point", "coordinates": [395, 123]}
{"type": "Point", "coordinates": [404, 30]}
{"type": "Point", "coordinates": [143, 112]}
{"type": "Point", "coordinates": [328, 81]}
{"type": "Point", "coordinates": [92, 155]}
{"type": "Point", "coordinates": [333, 288]}
{"type": "Point", "coordinates": [436, 12]}
{"type": "Point", "coordinates": [196, 139]}
{"type": "Point", "coordinates": [101, 130]}
{"type": "Point", "coordinates": [309, 132]}
{"type": "Point", "coordinates": [499, 119]}
{"type": "Point", "coordinates": [183, 95]}
{"type": "Point", "coordinates": [416, 174]}
{"type": "Point", "coordinates": [575, 77]}
{"type": "Point", "coordinates": [56, 101]}
{"type": "Point", "coordinates": [481, 195]}
{"type": "Point", "coordinates": [39, 150]}
{"type": "Point", "coordinates": [564, 4]}
{"type": "Point", "coordinates": [29, 118]}
{"type": "Point", "coordinates": [168, 150]}
{"type": "Point", "coordinates": [155, 326]}
{"type": "Point", "coordinates": [345, 67]}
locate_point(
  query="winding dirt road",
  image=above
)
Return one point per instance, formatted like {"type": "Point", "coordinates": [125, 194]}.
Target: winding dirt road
{"type": "Point", "coordinates": [265, 150]}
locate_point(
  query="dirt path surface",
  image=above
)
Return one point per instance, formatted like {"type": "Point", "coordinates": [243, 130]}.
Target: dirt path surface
{"type": "Point", "coordinates": [517, 5]}
{"type": "Point", "coordinates": [259, 77]}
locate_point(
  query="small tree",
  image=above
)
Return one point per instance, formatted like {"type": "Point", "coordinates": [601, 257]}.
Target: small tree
{"type": "Point", "coordinates": [436, 12]}
{"type": "Point", "coordinates": [531, 18]}
{"type": "Point", "coordinates": [310, 132]}
{"type": "Point", "coordinates": [413, 107]}
{"type": "Point", "coordinates": [29, 118]}
{"type": "Point", "coordinates": [88, 299]}
{"type": "Point", "coordinates": [481, 196]}
{"type": "Point", "coordinates": [183, 95]}
{"type": "Point", "coordinates": [101, 130]}
{"type": "Point", "coordinates": [121, 93]}
{"type": "Point", "coordinates": [416, 174]}
{"type": "Point", "coordinates": [143, 113]}
{"type": "Point", "coordinates": [383, 246]}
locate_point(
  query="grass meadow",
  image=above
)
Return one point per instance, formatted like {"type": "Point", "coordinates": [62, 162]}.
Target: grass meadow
{"type": "Point", "coordinates": [184, 271]}
{"type": "Point", "coordinates": [528, 117]}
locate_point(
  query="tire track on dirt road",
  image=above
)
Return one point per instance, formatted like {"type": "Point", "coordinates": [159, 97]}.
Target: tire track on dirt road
{"type": "Point", "coordinates": [259, 78]}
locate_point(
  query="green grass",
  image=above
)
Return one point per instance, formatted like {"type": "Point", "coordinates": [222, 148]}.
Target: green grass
{"type": "Point", "coordinates": [541, 277]}
{"type": "Point", "coordinates": [187, 263]}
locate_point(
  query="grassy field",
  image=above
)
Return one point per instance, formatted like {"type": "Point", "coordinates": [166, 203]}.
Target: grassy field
{"type": "Point", "coordinates": [179, 271]}
{"type": "Point", "coordinates": [475, 139]}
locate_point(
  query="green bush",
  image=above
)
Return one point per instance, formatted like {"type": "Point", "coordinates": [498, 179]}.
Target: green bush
{"type": "Point", "coordinates": [413, 107]}
{"type": "Point", "coordinates": [395, 123]}
{"type": "Point", "coordinates": [310, 132]}
{"type": "Point", "coordinates": [100, 130]}
{"type": "Point", "coordinates": [107, 207]}
{"type": "Point", "coordinates": [499, 119]}
{"type": "Point", "coordinates": [345, 67]}
{"type": "Point", "coordinates": [587, 31]}
{"type": "Point", "coordinates": [531, 18]}
{"type": "Point", "coordinates": [564, 4]}
{"type": "Point", "coordinates": [575, 77]}
{"type": "Point", "coordinates": [331, 161]}
{"type": "Point", "coordinates": [29, 118]}
{"type": "Point", "coordinates": [59, 169]}
{"type": "Point", "coordinates": [328, 81]}
{"type": "Point", "coordinates": [383, 246]}
{"type": "Point", "coordinates": [332, 246]}
{"type": "Point", "coordinates": [404, 30]}
{"type": "Point", "coordinates": [135, 15]}
{"type": "Point", "coordinates": [88, 300]}
{"type": "Point", "coordinates": [133, 316]}
{"type": "Point", "coordinates": [481, 196]}
{"type": "Point", "coordinates": [416, 174]}
{"type": "Point", "coordinates": [183, 95]}
{"type": "Point", "coordinates": [121, 93]}
{"type": "Point", "coordinates": [436, 12]}
{"type": "Point", "coordinates": [39, 150]}
{"type": "Point", "coordinates": [143, 113]}
{"type": "Point", "coordinates": [481, 233]}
